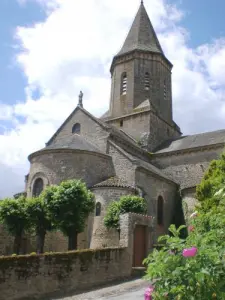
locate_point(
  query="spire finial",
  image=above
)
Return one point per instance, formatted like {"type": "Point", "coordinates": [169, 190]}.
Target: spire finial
{"type": "Point", "coordinates": [142, 2]}
{"type": "Point", "coordinates": [80, 103]}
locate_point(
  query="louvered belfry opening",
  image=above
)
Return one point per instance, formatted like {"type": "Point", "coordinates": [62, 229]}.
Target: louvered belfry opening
{"type": "Point", "coordinates": [147, 81]}
{"type": "Point", "coordinates": [124, 84]}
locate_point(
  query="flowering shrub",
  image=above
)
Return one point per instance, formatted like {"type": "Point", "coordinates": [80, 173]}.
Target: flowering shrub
{"type": "Point", "coordinates": [192, 269]}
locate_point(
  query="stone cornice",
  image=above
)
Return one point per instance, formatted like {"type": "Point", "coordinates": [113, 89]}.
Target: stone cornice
{"type": "Point", "coordinates": [64, 150]}
{"type": "Point", "coordinates": [140, 54]}
{"type": "Point", "coordinates": [127, 116]}
{"type": "Point", "coordinates": [188, 189]}
{"type": "Point", "coordinates": [188, 150]}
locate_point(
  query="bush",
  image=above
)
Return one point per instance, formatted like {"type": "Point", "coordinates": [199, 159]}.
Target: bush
{"type": "Point", "coordinates": [125, 204]}
{"type": "Point", "coordinates": [200, 276]}
{"type": "Point", "coordinates": [212, 181]}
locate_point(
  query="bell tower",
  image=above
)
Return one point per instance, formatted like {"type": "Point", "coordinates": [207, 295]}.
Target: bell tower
{"type": "Point", "coordinates": [141, 80]}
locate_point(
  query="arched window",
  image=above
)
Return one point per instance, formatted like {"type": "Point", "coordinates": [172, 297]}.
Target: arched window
{"type": "Point", "coordinates": [160, 210]}
{"type": "Point", "coordinates": [147, 81]}
{"type": "Point", "coordinates": [76, 128]}
{"type": "Point", "coordinates": [124, 84]}
{"type": "Point", "coordinates": [38, 187]}
{"type": "Point", "coordinates": [98, 209]}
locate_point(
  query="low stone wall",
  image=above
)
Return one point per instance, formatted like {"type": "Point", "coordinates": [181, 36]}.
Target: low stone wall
{"type": "Point", "coordinates": [34, 277]}
{"type": "Point", "coordinates": [54, 242]}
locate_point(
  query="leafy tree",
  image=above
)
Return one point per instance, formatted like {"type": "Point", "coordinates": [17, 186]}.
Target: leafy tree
{"type": "Point", "coordinates": [125, 204]}
{"type": "Point", "coordinates": [69, 205]}
{"type": "Point", "coordinates": [14, 217]}
{"type": "Point", "coordinates": [39, 220]}
{"type": "Point", "coordinates": [212, 181]}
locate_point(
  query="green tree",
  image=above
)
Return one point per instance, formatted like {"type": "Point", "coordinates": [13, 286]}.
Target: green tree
{"type": "Point", "coordinates": [14, 217]}
{"type": "Point", "coordinates": [39, 220]}
{"type": "Point", "coordinates": [212, 181]}
{"type": "Point", "coordinates": [125, 204]}
{"type": "Point", "coordinates": [69, 205]}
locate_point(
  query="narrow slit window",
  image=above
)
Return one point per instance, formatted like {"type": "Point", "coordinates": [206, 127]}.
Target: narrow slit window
{"type": "Point", "coordinates": [147, 81]}
{"type": "Point", "coordinates": [124, 84]}
{"type": "Point", "coordinates": [160, 210]}
{"type": "Point", "coordinates": [121, 123]}
{"type": "Point", "coordinates": [98, 208]}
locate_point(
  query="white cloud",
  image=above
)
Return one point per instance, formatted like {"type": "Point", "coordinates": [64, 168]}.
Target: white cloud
{"type": "Point", "coordinates": [72, 50]}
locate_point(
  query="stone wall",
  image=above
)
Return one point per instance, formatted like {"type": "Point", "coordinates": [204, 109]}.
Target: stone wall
{"type": "Point", "coordinates": [193, 156]}
{"type": "Point", "coordinates": [58, 165]}
{"type": "Point", "coordinates": [124, 167]}
{"type": "Point", "coordinates": [35, 276]}
{"type": "Point", "coordinates": [135, 65]}
{"type": "Point", "coordinates": [89, 128]}
{"type": "Point", "coordinates": [152, 187]}
{"type": "Point", "coordinates": [101, 236]}
{"type": "Point", "coordinates": [188, 168]}
{"type": "Point", "coordinates": [54, 242]}
{"type": "Point", "coordinates": [128, 222]}
{"type": "Point", "coordinates": [135, 124]}
{"type": "Point", "coordinates": [161, 131]}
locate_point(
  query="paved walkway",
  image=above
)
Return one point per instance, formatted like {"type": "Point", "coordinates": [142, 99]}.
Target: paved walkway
{"type": "Point", "coordinates": [132, 290]}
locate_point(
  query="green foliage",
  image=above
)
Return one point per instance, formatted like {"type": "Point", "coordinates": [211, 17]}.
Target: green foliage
{"type": "Point", "coordinates": [39, 220]}
{"type": "Point", "coordinates": [14, 216]}
{"type": "Point", "coordinates": [213, 180]}
{"type": "Point", "coordinates": [125, 204]}
{"type": "Point", "coordinates": [200, 277]}
{"type": "Point", "coordinates": [38, 215]}
{"type": "Point", "coordinates": [69, 205]}
{"type": "Point", "coordinates": [112, 216]}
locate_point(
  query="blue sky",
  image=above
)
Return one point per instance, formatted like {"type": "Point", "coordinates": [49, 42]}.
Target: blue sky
{"type": "Point", "coordinates": [52, 49]}
{"type": "Point", "coordinates": [203, 20]}
{"type": "Point", "coordinates": [12, 14]}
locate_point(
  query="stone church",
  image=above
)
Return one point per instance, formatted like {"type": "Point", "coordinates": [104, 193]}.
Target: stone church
{"type": "Point", "coordinates": [135, 147]}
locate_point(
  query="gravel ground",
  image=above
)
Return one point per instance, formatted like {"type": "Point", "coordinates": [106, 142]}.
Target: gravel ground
{"type": "Point", "coordinates": [132, 290]}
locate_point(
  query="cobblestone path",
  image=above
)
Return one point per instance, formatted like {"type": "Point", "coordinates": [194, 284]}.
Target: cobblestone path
{"type": "Point", "coordinates": [132, 290]}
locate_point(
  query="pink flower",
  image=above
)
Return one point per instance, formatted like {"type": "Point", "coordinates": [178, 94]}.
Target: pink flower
{"type": "Point", "coordinates": [191, 228]}
{"type": "Point", "coordinates": [195, 214]}
{"type": "Point", "coordinates": [148, 292]}
{"type": "Point", "coordinates": [190, 252]}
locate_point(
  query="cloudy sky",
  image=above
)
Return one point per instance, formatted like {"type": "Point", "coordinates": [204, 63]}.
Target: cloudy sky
{"type": "Point", "coordinates": [52, 49]}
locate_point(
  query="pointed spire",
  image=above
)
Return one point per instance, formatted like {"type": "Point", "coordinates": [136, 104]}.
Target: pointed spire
{"type": "Point", "coordinates": [142, 35]}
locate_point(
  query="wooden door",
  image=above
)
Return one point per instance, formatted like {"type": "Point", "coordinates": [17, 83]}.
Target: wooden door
{"type": "Point", "coordinates": [139, 251]}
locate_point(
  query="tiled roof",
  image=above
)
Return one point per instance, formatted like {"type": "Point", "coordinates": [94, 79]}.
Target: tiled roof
{"type": "Point", "coordinates": [149, 167]}
{"type": "Point", "coordinates": [114, 182]}
{"type": "Point", "coordinates": [77, 142]}
{"type": "Point", "coordinates": [193, 141]}
{"type": "Point", "coordinates": [142, 35]}
{"type": "Point", "coordinates": [188, 175]}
